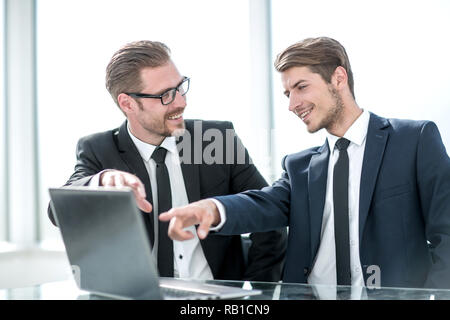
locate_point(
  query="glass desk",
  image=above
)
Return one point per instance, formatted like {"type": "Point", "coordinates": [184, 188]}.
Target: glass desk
{"type": "Point", "coordinates": [67, 290]}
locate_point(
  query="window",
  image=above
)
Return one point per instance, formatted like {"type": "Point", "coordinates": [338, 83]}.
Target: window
{"type": "Point", "coordinates": [3, 218]}
{"type": "Point", "coordinates": [209, 42]}
{"type": "Point", "coordinates": [399, 54]}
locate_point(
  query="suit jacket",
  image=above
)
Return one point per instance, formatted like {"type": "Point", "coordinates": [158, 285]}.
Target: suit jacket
{"type": "Point", "coordinates": [404, 210]}
{"type": "Point", "coordinates": [115, 150]}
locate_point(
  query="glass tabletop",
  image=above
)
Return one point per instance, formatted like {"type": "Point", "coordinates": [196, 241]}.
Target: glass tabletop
{"type": "Point", "coordinates": [68, 290]}
{"type": "Point", "coordinates": [296, 291]}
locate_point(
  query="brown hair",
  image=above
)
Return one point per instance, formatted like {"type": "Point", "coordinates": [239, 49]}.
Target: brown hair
{"type": "Point", "coordinates": [321, 55]}
{"type": "Point", "coordinates": [123, 71]}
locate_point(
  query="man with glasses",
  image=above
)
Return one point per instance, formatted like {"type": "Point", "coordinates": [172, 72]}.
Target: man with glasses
{"type": "Point", "coordinates": [157, 153]}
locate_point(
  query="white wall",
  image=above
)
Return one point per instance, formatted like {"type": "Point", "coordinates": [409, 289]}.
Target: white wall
{"type": "Point", "coordinates": [398, 51]}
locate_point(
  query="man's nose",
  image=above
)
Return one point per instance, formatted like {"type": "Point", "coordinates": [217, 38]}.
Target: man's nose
{"type": "Point", "coordinates": [179, 101]}
{"type": "Point", "coordinates": [294, 102]}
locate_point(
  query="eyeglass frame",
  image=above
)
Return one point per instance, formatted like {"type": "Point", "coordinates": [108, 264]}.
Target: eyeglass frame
{"type": "Point", "coordinates": [160, 96]}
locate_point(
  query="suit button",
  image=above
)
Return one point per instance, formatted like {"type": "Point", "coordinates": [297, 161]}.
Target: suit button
{"type": "Point", "coordinates": [305, 271]}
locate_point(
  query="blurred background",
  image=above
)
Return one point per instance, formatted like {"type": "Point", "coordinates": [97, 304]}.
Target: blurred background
{"type": "Point", "coordinates": [54, 53]}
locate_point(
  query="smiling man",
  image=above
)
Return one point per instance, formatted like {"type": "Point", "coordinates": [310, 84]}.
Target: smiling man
{"type": "Point", "coordinates": [144, 153]}
{"type": "Point", "coordinates": [375, 197]}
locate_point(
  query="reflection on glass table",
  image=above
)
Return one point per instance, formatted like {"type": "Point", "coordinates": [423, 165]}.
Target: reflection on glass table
{"type": "Point", "coordinates": [68, 290]}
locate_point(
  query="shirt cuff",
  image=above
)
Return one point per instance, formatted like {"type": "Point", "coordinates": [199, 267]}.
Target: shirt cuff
{"type": "Point", "coordinates": [222, 213]}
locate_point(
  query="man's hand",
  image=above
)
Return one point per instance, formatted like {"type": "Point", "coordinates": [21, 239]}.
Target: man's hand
{"type": "Point", "coordinates": [116, 178]}
{"type": "Point", "coordinates": [203, 212]}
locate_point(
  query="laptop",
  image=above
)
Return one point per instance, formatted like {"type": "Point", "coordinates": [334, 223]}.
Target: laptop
{"type": "Point", "coordinates": [107, 246]}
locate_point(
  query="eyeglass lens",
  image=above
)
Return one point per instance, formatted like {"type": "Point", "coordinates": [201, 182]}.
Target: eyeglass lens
{"type": "Point", "coordinates": [169, 96]}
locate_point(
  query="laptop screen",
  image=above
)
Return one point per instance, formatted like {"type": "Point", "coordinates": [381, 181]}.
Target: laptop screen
{"type": "Point", "coordinates": [106, 241]}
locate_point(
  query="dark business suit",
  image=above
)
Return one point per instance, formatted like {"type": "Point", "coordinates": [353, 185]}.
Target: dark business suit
{"type": "Point", "coordinates": [404, 202]}
{"type": "Point", "coordinates": [115, 150]}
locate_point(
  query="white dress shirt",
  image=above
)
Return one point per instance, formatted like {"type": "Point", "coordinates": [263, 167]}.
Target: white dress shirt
{"type": "Point", "coordinates": [324, 268]}
{"type": "Point", "coordinates": [189, 259]}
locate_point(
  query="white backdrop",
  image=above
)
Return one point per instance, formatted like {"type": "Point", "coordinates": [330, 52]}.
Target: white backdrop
{"type": "Point", "coordinates": [399, 52]}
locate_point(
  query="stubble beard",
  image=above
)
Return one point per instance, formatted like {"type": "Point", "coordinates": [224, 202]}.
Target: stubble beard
{"type": "Point", "coordinates": [160, 128]}
{"type": "Point", "coordinates": [333, 115]}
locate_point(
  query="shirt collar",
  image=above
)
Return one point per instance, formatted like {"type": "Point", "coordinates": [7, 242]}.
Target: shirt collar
{"type": "Point", "coordinates": [355, 134]}
{"type": "Point", "coordinates": [146, 149]}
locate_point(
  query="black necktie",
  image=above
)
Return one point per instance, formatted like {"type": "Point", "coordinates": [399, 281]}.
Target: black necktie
{"type": "Point", "coordinates": [341, 223]}
{"type": "Point", "coordinates": [165, 244]}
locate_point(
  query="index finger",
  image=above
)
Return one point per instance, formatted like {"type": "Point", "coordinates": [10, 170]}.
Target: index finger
{"type": "Point", "coordinates": [181, 218]}
{"type": "Point", "coordinates": [187, 215]}
{"type": "Point", "coordinates": [166, 216]}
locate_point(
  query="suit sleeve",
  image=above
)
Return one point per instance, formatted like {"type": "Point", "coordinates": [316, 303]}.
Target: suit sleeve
{"type": "Point", "coordinates": [86, 167]}
{"type": "Point", "coordinates": [267, 249]}
{"type": "Point", "coordinates": [433, 172]}
{"type": "Point", "coordinates": [257, 210]}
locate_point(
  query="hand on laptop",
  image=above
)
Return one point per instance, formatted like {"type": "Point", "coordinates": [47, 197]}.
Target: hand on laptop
{"type": "Point", "coordinates": [116, 178]}
{"type": "Point", "coordinates": [203, 212]}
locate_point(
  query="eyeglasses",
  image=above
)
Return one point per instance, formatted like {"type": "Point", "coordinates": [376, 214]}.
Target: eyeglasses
{"type": "Point", "coordinates": [167, 96]}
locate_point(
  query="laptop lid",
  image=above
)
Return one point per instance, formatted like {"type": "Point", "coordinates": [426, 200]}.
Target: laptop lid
{"type": "Point", "coordinates": [106, 242]}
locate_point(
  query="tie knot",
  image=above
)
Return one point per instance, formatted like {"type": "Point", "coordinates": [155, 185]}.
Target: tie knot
{"type": "Point", "coordinates": [342, 144]}
{"type": "Point", "coordinates": [159, 154]}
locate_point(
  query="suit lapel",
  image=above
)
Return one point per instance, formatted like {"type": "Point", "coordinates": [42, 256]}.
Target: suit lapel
{"type": "Point", "coordinates": [317, 185]}
{"type": "Point", "coordinates": [375, 145]}
{"type": "Point", "coordinates": [130, 155]}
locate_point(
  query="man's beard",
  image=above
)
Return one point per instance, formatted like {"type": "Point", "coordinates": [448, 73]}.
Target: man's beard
{"type": "Point", "coordinates": [161, 128]}
{"type": "Point", "coordinates": [333, 114]}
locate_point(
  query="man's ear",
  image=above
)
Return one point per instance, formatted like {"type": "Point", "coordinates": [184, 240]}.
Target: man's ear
{"type": "Point", "coordinates": [125, 103]}
{"type": "Point", "coordinates": [339, 78]}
